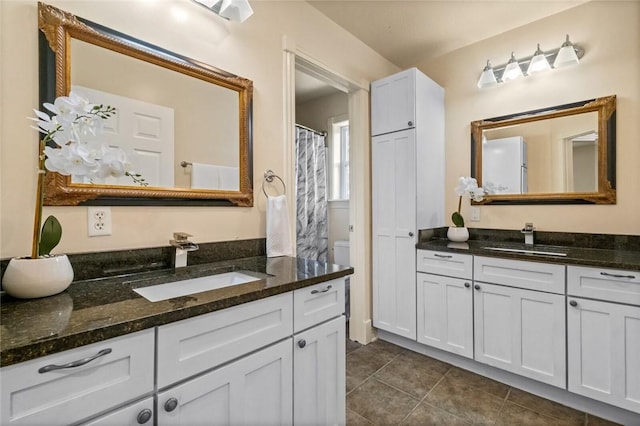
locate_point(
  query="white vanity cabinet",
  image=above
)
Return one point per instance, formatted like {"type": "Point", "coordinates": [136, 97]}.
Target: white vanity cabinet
{"type": "Point", "coordinates": [445, 301]}
{"type": "Point", "coordinates": [604, 335]}
{"type": "Point", "coordinates": [240, 366]}
{"type": "Point", "coordinates": [253, 390]}
{"type": "Point", "coordinates": [518, 329]}
{"type": "Point", "coordinates": [73, 385]}
{"type": "Point", "coordinates": [407, 122]}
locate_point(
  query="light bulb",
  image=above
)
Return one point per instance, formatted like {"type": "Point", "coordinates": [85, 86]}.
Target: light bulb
{"type": "Point", "coordinates": [487, 78]}
{"type": "Point", "coordinates": [566, 55]}
{"type": "Point", "coordinates": [512, 71]}
{"type": "Point", "coordinates": [538, 62]}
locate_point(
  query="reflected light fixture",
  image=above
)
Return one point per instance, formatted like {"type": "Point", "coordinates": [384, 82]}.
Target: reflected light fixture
{"type": "Point", "coordinates": [567, 54]}
{"type": "Point", "coordinates": [233, 10]}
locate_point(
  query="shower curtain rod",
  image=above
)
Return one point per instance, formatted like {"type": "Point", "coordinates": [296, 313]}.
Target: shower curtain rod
{"type": "Point", "coordinates": [312, 130]}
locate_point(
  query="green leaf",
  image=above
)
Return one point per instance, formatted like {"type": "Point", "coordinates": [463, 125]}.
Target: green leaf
{"type": "Point", "coordinates": [457, 219]}
{"type": "Point", "coordinates": [50, 235]}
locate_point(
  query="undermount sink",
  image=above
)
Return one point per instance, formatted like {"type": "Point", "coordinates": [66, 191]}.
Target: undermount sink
{"type": "Point", "coordinates": [156, 293]}
{"type": "Point", "coordinates": [527, 251]}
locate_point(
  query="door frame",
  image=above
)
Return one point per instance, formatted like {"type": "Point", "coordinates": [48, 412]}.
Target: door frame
{"type": "Point", "coordinates": [360, 324]}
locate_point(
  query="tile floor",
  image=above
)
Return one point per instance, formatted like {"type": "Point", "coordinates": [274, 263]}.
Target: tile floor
{"type": "Point", "coordinates": [388, 385]}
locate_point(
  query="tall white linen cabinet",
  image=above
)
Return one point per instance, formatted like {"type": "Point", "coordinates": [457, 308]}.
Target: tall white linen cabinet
{"type": "Point", "coordinates": [407, 128]}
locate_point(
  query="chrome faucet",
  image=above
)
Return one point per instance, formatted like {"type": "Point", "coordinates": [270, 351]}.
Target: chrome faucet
{"type": "Point", "coordinates": [183, 246]}
{"type": "Point", "coordinates": [528, 233]}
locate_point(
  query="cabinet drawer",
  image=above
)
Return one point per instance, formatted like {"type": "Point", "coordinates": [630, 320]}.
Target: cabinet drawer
{"type": "Point", "coordinates": [67, 395]}
{"type": "Point", "coordinates": [522, 274]}
{"type": "Point", "coordinates": [135, 414]}
{"type": "Point", "coordinates": [318, 303]}
{"type": "Point", "coordinates": [445, 263]}
{"type": "Point", "coordinates": [188, 347]}
{"type": "Point", "coordinates": [606, 284]}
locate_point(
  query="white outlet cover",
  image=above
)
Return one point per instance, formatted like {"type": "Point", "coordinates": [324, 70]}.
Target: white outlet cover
{"type": "Point", "coordinates": [98, 221]}
{"type": "Point", "coordinates": [475, 214]}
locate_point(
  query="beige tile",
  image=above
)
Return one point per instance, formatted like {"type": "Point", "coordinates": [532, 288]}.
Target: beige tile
{"type": "Point", "coordinates": [458, 375]}
{"type": "Point", "coordinates": [465, 401]}
{"type": "Point", "coordinates": [355, 419]}
{"type": "Point", "coordinates": [380, 403]}
{"type": "Point", "coordinates": [415, 375]}
{"type": "Point", "coordinates": [427, 415]}
{"type": "Point", "coordinates": [546, 407]}
{"type": "Point", "coordinates": [597, 421]}
{"type": "Point", "coordinates": [513, 414]}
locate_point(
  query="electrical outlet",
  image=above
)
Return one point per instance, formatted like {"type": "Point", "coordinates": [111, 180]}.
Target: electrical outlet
{"type": "Point", "coordinates": [475, 214]}
{"type": "Point", "coordinates": [99, 221]}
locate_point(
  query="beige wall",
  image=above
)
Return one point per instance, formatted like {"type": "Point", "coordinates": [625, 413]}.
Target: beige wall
{"type": "Point", "coordinates": [610, 34]}
{"type": "Point", "coordinates": [253, 50]}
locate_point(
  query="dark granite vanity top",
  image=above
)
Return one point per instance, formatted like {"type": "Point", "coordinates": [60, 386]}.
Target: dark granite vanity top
{"type": "Point", "coordinates": [93, 310]}
{"type": "Point", "coordinates": [596, 257]}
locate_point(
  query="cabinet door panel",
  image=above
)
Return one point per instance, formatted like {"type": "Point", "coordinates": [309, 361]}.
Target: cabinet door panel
{"type": "Point", "coordinates": [394, 216]}
{"type": "Point", "coordinates": [604, 352]}
{"type": "Point", "coordinates": [445, 318]}
{"type": "Point", "coordinates": [319, 375]}
{"type": "Point", "coordinates": [131, 415]}
{"type": "Point", "coordinates": [521, 331]}
{"type": "Point", "coordinates": [254, 390]}
{"type": "Point", "coordinates": [393, 103]}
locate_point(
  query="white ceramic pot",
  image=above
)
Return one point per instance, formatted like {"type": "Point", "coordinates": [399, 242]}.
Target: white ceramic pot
{"type": "Point", "coordinates": [27, 278]}
{"type": "Point", "coordinates": [458, 234]}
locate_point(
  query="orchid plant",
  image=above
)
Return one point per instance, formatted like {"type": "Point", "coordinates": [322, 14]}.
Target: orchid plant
{"type": "Point", "coordinates": [467, 188]}
{"type": "Point", "coordinates": [71, 146]}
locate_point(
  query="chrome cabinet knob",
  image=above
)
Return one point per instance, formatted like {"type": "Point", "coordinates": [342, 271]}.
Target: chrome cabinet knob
{"type": "Point", "coordinates": [302, 343]}
{"type": "Point", "coordinates": [573, 303]}
{"type": "Point", "coordinates": [477, 287]}
{"type": "Point", "coordinates": [144, 416]}
{"type": "Point", "coordinates": [411, 234]}
{"type": "Point", "coordinates": [410, 123]}
{"type": "Point", "coordinates": [467, 285]}
{"type": "Point", "coordinates": [170, 405]}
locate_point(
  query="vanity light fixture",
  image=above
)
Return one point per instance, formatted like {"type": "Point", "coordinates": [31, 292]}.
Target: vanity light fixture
{"type": "Point", "coordinates": [567, 54]}
{"type": "Point", "coordinates": [233, 10]}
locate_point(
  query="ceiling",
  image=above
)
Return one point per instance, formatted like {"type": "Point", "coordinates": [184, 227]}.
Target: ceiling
{"type": "Point", "coordinates": [409, 32]}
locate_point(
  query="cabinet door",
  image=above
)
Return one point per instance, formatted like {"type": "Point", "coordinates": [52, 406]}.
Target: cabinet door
{"type": "Point", "coordinates": [445, 313]}
{"type": "Point", "coordinates": [319, 375]}
{"type": "Point", "coordinates": [394, 222]}
{"type": "Point", "coordinates": [393, 103]}
{"type": "Point", "coordinates": [604, 351]}
{"type": "Point", "coordinates": [521, 331]}
{"type": "Point", "coordinates": [254, 390]}
{"type": "Point", "coordinates": [140, 413]}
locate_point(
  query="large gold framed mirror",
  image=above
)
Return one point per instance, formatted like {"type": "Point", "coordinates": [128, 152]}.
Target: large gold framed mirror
{"type": "Point", "coordinates": [185, 125]}
{"type": "Point", "coordinates": [564, 154]}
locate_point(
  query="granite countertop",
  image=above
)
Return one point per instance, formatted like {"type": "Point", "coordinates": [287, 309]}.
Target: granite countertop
{"type": "Point", "coordinates": [94, 310]}
{"type": "Point", "coordinates": [603, 258]}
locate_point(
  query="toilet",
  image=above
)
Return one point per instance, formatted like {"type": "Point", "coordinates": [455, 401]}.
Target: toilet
{"type": "Point", "coordinates": [341, 257]}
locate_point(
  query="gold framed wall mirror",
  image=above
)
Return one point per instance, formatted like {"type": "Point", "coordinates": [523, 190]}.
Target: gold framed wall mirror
{"type": "Point", "coordinates": [185, 125]}
{"type": "Point", "coordinates": [564, 154]}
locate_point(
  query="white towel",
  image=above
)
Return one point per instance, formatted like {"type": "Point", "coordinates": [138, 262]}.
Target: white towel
{"type": "Point", "coordinates": [278, 236]}
{"type": "Point", "coordinates": [229, 178]}
{"type": "Point", "coordinates": [204, 176]}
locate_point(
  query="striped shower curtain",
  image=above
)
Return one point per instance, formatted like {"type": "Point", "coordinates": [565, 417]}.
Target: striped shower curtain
{"type": "Point", "coordinates": [311, 201]}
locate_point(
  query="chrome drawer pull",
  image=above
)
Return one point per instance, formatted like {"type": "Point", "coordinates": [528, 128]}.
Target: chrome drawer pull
{"type": "Point", "coordinates": [324, 290]}
{"type": "Point", "coordinates": [606, 274]}
{"type": "Point", "coordinates": [74, 364]}
{"type": "Point", "coordinates": [443, 256]}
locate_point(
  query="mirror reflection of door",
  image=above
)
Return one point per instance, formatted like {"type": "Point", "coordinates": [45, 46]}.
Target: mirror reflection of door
{"type": "Point", "coordinates": [581, 162]}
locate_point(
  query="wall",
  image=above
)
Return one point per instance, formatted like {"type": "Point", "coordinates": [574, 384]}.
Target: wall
{"type": "Point", "coordinates": [253, 50]}
{"type": "Point", "coordinates": [610, 34]}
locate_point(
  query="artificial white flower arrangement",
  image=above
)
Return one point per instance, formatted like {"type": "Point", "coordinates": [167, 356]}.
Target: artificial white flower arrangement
{"type": "Point", "coordinates": [71, 147]}
{"type": "Point", "coordinates": [467, 188]}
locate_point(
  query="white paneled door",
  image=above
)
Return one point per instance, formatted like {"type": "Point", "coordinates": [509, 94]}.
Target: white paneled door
{"type": "Point", "coordinates": [394, 228]}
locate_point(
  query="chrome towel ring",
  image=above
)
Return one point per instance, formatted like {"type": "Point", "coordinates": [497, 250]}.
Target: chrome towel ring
{"type": "Point", "coordinates": [268, 177]}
